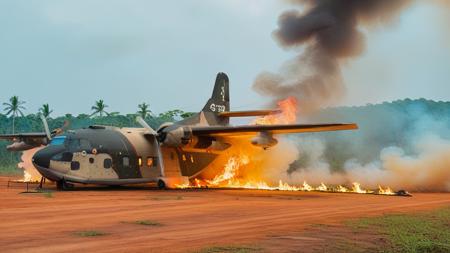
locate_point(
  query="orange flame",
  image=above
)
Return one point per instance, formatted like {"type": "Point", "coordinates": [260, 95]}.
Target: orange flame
{"type": "Point", "coordinates": [386, 191]}
{"type": "Point", "coordinates": [229, 178]}
{"type": "Point", "coordinates": [287, 115]}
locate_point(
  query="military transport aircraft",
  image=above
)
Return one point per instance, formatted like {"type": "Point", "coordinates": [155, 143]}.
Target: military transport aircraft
{"type": "Point", "coordinates": [173, 154]}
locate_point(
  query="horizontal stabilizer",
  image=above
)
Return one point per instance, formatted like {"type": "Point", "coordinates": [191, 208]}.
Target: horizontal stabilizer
{"type": "Point", "coordinates": [249, 113]}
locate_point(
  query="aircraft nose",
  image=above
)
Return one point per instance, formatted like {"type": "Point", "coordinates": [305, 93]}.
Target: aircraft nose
{"type": "Point", "coordinates": [42, 158]}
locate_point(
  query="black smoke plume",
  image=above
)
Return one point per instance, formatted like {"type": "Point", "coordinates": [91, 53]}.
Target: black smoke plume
{"type": "Point", "coordinates": [329, 32]}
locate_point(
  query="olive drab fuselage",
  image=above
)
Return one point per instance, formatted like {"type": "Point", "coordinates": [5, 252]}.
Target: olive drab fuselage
{"type": "Point", "coordinates": [114, 156]}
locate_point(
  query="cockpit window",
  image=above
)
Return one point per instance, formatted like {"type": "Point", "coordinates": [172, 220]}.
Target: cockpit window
{"type": "Point", "coordinates": [78, 144]}
{"type": "Point", "coordinates": [58, 140]}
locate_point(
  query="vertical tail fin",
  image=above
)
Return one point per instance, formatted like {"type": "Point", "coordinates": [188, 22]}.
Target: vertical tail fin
{"type": "Point", "coordinates": [218, 103]}
{"type": "Point", "coordinates": [220, 99]}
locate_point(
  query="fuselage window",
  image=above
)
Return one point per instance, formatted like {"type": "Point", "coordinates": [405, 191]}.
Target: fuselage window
{"type": "Point", "coordinates": [150, 161]}
{"type": "Point", "coordinates": [91, 160]}
{"type": "Point", "coordinates": [107, 163]}
{"type": "Point", "coordinates": [140, 161]}
{"type": "Point", "coordinates": [126, 161]}
{"type": "Point", "coordinates": [74, 165]}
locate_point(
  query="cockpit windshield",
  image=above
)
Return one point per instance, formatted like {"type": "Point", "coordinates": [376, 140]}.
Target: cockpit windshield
{"type": "Point", "coordinates": [58, 140]}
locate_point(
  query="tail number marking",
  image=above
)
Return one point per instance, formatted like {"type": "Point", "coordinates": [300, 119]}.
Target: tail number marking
{"type": "Point", "coordinates": [218, 108]}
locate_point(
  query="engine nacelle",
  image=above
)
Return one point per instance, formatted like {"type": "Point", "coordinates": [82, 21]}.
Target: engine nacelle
{"type": "Point", "coordinates": [264, 140]}
{"type": "Point", "coordinates": [19, 146]}
{"type": "Point", "coordinates": [178, 137]}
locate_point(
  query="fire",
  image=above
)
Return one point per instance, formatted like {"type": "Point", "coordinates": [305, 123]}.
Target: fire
{"type": "Point", "coordinates": [229, 171]}
{"type": "Point", "coordinates": [357, 188]}
{"type": "Point", "coordinates": [229, 178]}
{"type": "Point", "coordinates": [341, 188]}
{"type": "Point", "coordinates": [386, 191]}
{"type": "Point", "coordinates": [322, 187]}
{"type": "Point", "coordinates": [27, 177]}
{"type": "Point", "coordinates": [306, 187]}
{"type": "Point", "coordinates": [238, 172]}
{"type": "Point", "coordinates": [288, 113]}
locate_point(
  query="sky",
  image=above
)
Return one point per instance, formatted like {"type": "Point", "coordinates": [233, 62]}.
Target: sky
{"type": "Point", "coordinates": [70, 53]}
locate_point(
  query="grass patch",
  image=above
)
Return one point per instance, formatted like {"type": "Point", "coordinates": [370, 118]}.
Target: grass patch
{"type": "Point", "coordinates": [89, 233]}
{"type": "Point", "coordinates": [420, 232]}
{"type": "Point", "coordinates": [230, 249]}
{"type": "Point", "coordinates": [48, 194]}
{"type": "Point", "coordinates": [148, 223]}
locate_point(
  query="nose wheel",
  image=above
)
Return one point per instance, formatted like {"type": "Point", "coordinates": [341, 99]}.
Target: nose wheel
{"type": "Point", "coordinates": [62, 185]}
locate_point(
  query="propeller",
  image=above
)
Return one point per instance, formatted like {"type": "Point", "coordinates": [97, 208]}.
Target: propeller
{"type": "Point", "coordinates": [142, 122]}
{"type": "Point", "coordinates": [47, 131]}
{"type": "Point", "coordinates": [156, 144]}
{"type": "Point", "coordinates": [60, 130]}
{"type": "Point", "coordinates": [56, 131]}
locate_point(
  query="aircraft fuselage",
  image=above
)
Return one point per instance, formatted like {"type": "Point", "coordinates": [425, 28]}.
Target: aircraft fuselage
{"type": "Point", "coordinates": [115, 156]}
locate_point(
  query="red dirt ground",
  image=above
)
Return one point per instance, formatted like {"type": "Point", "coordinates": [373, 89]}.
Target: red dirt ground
{"type": "Point", "coordinates": [191, 219]}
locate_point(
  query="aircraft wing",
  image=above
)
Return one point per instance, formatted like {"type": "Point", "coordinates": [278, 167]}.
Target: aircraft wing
{"type": "Point", "coordinates": [22, 136]}
{"type": "Point", "coordinates": [230, 131]}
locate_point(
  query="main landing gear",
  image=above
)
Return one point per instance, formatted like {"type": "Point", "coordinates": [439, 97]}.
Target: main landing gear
{"type": "Point", "coordinates": [62, 185]}
{"type": "Point", "coordinates": [161, 184]}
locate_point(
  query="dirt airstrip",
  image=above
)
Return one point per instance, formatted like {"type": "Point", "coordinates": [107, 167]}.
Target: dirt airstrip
{"type": "Point", "coordinates": [186, 220]}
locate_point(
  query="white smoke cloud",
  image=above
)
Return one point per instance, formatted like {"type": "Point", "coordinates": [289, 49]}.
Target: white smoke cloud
{"type": "Point", "coordinates": [425, 168]}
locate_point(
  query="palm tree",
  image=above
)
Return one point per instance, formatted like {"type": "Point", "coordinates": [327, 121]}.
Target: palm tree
{"type": "Point", "coordinates": [45, 110]}
{"type": "Point", "coordinates": [99, 108]}
{"type": "Point", "coordinates": [143, 110]}
{"type": "Point", "coordinates": [14, 108]}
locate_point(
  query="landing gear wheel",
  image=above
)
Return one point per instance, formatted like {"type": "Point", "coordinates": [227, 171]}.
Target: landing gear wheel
{"type": "Point", "coordinates": [62, 185]}
{"type": "Point", "coordinates": [161, 184]}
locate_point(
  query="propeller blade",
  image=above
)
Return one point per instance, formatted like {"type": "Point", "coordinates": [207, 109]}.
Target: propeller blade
{"type": "Point", "coordinates": [47, 131]}
{"type": "Point", "coordinates": [144, 124]}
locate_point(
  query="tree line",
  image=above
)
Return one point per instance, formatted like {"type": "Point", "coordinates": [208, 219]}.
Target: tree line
{"type": "Point", "coordinates": [99, 113]}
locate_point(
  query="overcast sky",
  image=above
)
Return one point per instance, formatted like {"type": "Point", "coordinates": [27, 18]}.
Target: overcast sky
{"type": "Point", "coordinates": [167, 53]}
